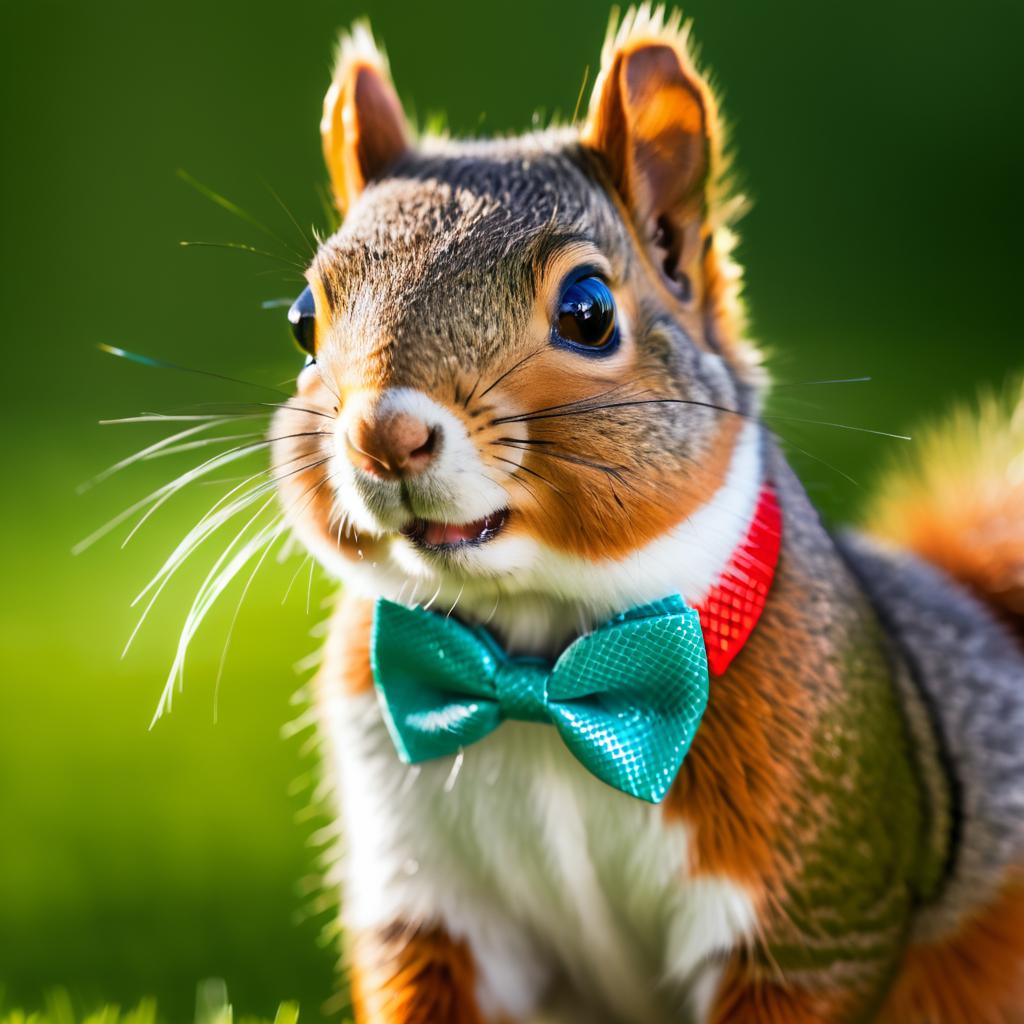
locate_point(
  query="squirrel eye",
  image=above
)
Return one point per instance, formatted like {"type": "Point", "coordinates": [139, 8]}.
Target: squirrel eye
{"type": "Point", "coordinates": [586, 314]}
{"type": "Point", "coordinates": [302, 317]}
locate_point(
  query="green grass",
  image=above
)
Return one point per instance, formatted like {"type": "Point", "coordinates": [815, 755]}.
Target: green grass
{"type": "Point", "coordinates": [212, 1007]}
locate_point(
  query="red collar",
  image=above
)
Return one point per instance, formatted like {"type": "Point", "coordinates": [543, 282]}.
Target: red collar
{"type": "Point", "coordinates": [732, 607]}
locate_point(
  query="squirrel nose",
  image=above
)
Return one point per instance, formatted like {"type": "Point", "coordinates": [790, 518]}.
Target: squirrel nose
{"type": "Point", "coordinates": [392, 445]}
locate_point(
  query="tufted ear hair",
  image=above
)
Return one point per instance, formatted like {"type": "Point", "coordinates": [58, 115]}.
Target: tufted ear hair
{"type": "Point", "coordinates": [363, 128]}
{"type": "Point", "coordinates": [654, 122]}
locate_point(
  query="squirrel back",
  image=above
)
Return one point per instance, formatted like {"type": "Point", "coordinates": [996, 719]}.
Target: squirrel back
{"type": "Point", "coordinates": [943, 561]}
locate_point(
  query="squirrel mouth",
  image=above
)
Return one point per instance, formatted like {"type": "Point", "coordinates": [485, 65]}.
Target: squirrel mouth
{"type": "Point", "coordinates": [433, 536]}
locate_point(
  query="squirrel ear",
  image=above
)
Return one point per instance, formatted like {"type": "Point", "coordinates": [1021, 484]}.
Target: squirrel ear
{"type": "Point", "coordinates": [652, 119]}
{"type": "Point", "coordinates": [363, 127]}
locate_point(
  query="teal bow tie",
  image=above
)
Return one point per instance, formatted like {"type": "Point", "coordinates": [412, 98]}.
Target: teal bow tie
{"type": "Point", "coordinates": [626, 699]}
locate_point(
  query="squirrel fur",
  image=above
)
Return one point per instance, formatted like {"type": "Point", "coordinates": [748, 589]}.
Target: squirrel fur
{"type": "Point", "coordinates": [845, 840]}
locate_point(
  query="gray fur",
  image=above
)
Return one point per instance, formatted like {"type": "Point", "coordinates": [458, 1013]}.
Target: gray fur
{"type": "Point", "coordinates": [970, 671]}
{"type": "Point", "coordinates": [451, 239]}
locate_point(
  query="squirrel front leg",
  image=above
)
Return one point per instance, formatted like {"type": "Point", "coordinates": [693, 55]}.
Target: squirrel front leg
{"type": "Point", "coordinates": [406, 975]}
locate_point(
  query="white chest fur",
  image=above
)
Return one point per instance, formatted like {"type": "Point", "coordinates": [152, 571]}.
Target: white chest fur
{"type": "Point", "coordinates": [544, 870]}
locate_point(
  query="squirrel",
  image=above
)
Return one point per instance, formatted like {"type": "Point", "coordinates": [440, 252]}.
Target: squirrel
{"type": "Point", "coordinates": [530, 407]}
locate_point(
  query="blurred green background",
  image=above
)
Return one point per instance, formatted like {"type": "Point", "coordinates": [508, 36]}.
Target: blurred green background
{"type": "Point", "coordinates": [882, 144]}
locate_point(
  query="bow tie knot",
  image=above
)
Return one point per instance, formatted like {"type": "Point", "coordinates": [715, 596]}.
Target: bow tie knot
{"type": "Point", "coordinates": [626, 699]}
{"type": "Point", "coordinates": [521, 685]}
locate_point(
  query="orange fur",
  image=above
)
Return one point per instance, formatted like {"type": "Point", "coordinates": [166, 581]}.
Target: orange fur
{"type": "Point", "coordinates": [403, 976]}
{"type": "Point", "coordinates": [622, 121]}
{"type": "Point", "coordinates": [347, 651]}
{"type": "Point", "coordinates": [648, 494]}
{"type": "Point", "coordinates": [363, 128]}
{"type": "Point", "coordinates": [305, 433]}
{"type": "Point", "coordinates": [743, 999]}
{"type": "Point", "coordinates": [972, 977]}
{"type": "Point", "coordinates": [644, 500]}
{"type": "Point", "coordinates": [960, 505]}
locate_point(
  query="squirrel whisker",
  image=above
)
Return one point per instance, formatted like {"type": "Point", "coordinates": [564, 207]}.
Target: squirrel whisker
{"type": "Point", "coordinates": [163, 364]}
{"type": "Point", "coordinates": [176, 485]}
{"type": "Point", "coordinates": [522, 417]}
{"type": "Point", "coordinates": [578, 460]}
{"type": "Point", "coordinates": [205, 528]}
{"type": "Point", "coordinates": [541, 415]}
{"type": "Point", "coordinates": [233, 208]}
{"type": "Point", "coordinates": [519, 480]}
{"type": "Point", "coordinates": [512, 369]}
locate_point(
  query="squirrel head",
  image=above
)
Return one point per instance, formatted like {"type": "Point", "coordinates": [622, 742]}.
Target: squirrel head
{"type": "Point", "coordinates": [522, 350]}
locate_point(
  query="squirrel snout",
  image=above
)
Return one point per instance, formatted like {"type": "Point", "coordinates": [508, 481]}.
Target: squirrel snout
{"type": "Point", "coordinates": [392, 444]}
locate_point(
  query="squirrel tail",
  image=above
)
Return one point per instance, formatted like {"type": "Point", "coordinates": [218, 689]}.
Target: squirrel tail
{"type": "Point", "coordinates": [959, 501]}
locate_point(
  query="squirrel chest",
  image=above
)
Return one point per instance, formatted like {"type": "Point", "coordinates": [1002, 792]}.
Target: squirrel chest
{"type": "Point", "coordinates": [542, 867]}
